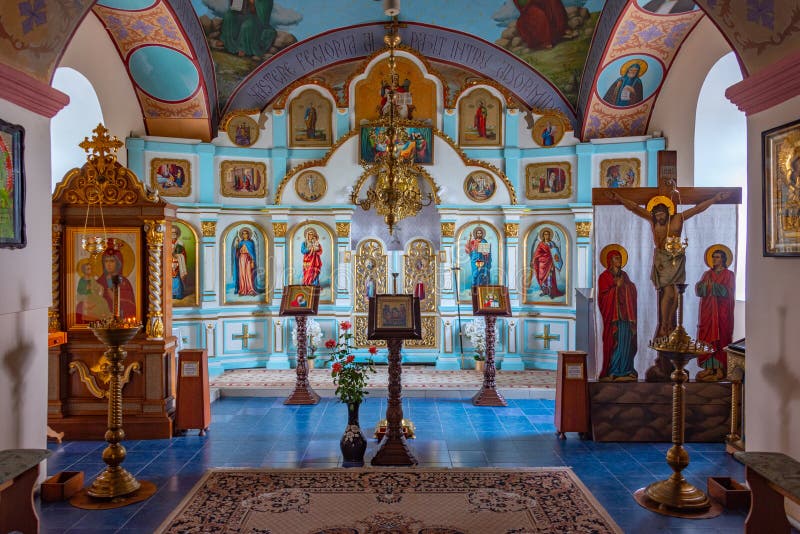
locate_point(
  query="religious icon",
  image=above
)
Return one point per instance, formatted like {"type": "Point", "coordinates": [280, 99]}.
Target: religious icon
{"type": "Point", "coordinates": [546, 280]}
{"type": "Point", "coordinates": [418, 148]}
{"type": "Point", "coordinates": [480, 119]}
{"type": "Point", "coordinates": [480, 186]}
{"type": "Point", "coordinates": [630, 80]}
{"type": "Point", "coordinates": [12, 186]}
{"type": "Point", "coordinates": [90, 288]}
{"type": "Point", "coordinates": [183, 265]}
{"type": "Point", "coordinates": [548, 130]}
{"type": "Point", "coordinates": [310, 186]}
{"type": "Point", "coordinates": [300, 300]}
{"type": "Point", "coordinates": [311, 252]}
{"type": "Point", "coordinates": [414, 94]}
{"type": "Point", "coordinates": [393, 317]}
{"type": "Point", "coordinates": [171, 177]}
{"type": "Point", "coordinates": [667, 7]}
{"type": "Point", "coordinates": [717, 292]}
{"type": "Point", "coordinates": [616, 173]}
{"type": "Point", "coordinates": [781, 150]}
{"type": "Point", "coordinates": [616, 299]}
{"type": "Point", "coordinates": [548, 180]}
{"type": "Point", "coordinates": [242, 179]}
{"type": "Point", "coordinates": [479, 257]}
{"type": "Point", "coordinates": [310, 119]}
{"type": "Point", "coordinates": [245, 276]}
{"type": "Point", "coordinates": [490, 300]}
{"type": "Point", "coordinates": [242, 130]}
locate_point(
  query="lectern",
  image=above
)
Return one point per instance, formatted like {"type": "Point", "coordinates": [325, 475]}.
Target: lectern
{"type": "Point", "coordinates": [572, 394]}
{"type": "Point", "coordinates": [194, 398]}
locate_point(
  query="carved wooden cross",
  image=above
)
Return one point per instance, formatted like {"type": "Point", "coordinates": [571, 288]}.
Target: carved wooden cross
{"type": "Point", "coordinates": [547, 337]}
{"type": "Point", "coordinates": [244, 336]}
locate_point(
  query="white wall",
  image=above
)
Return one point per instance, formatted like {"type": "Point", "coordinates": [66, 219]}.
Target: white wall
{"type": "Point", "coordinates": [25, 286]}
{"type": "Point", "coordinates": [674, 112]}
{"type": "Point", "coordinates": [772, 391]}
{"type": "Point", "coordinates": [92, 53]}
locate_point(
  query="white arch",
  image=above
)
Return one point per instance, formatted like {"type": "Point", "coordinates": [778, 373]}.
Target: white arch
{"type": "Point", "coordinates": [76, 121]}
{"type": "Point", "coordinates": [720, 146]}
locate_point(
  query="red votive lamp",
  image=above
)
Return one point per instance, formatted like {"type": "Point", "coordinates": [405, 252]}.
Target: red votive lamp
{"type": "Point", "coordinates": [419, 291]}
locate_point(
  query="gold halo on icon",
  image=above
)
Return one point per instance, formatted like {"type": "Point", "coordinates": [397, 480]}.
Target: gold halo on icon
{"type": "Point", "coordinates": [609, 248]}
{"type": "Point", "coordinates": [546, 229]}
{"type": "Point", "coordinates": [661, 199]}
{"type": "Point", "coordinates": [128, 259]}
{"type": "Point", "coordinates": [625, 66]}
{"type": "Point", "coordinates": [712, 249]}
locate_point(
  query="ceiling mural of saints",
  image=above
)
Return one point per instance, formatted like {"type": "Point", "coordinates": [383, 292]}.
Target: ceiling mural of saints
{"type": "Point", "coordinates": [630, 80]}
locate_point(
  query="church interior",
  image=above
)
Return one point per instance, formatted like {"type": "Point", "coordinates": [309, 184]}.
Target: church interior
{"type": "Point", "coordinates": [547, 197]}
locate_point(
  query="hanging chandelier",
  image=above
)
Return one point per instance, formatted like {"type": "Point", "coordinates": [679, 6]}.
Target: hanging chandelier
{"type": "Point", "coordinates": [395, 193]}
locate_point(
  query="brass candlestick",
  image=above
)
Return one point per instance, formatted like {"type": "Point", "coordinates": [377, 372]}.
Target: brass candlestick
{"type": "Point", "coordinates": [675, 495]}
{"type": "Point", "coordinates": [114, 481]}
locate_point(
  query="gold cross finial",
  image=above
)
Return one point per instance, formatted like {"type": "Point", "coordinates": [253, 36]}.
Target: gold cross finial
{"type": "Point", "coordinates": [101, 144]}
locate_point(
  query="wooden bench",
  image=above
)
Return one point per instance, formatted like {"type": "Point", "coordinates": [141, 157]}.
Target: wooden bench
{"type": "Point", "coordinates": [19, 469]}
{"type": "Point", "coordinates": [771, 477]}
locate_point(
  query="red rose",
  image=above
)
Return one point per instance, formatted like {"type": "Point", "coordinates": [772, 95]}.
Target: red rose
{"type": "Point", "coordinates": [330, 344]}
{"type": "Point", "coordinates": [350, 358]}
{"type": "Point", "coordinates": [337, 367]}
{"type": "Point", "coordinates": [345, 325]}
{"type": "Point", "coordinates": [373, 350]}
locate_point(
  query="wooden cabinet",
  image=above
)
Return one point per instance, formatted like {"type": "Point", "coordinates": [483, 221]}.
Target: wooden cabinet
{"type": "Point", "coordinates": [194, 398]}
{"type": "Point", "coordinates": [572, 394]}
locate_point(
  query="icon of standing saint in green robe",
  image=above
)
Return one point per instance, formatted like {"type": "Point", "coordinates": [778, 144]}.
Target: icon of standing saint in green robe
{"type": "Point", "coordinates": [246, 30]}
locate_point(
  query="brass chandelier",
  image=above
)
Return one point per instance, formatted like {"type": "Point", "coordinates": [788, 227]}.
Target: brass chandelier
{"type": "Point", "coordinates": [395, 193]}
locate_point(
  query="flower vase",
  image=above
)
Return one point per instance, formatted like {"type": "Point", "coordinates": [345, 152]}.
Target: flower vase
{"type": "Point", "coordinates": [353, 443]}
{"type": "Point", "coordinates": [479, 365]}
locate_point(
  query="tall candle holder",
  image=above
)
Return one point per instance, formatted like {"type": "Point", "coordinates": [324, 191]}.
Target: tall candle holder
{"type": "Point", "coordinates": [675, 495]}
{"type": "Point", "coordinates": [115, 481]}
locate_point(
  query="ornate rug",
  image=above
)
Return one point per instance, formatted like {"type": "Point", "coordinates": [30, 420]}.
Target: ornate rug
{"type": "Point", "coordinates": [390, 501]}
{"type": "Point", "coordinates": [414, 378]}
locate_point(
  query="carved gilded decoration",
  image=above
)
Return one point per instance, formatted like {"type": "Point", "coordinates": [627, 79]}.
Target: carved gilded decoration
{"type": "Point", "coordinates": [370, 270]}
{"type": "Point", "coordinates": [102, 180]}
{"type": "Point", "coordinates": [154, 234]}
{"type": "Point", "coordinates": [419, 266]}
{"type": "Point", "coordinates": [448, 229]}
{"type": "Point", "coordinates": [53, 314]}
{"type": "Point", "coordinates": [511, 229]}
{"type": "Point", "coordinates": [209, 228]}
{"type": "Point", "coordinates": [429, 336]}
{"type": "Point", "coordinates": [360, 340]}
{"type": "Point", "coordinates": [583, 228]}
{"type": "Point", "coordinates": [279, 229]}
{"type": "Point", "coordinates": [343, 229]}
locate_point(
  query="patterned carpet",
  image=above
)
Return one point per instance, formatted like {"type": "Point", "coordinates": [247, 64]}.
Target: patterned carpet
{"type": "Point", "coordinates": [396, 501]}
{"type": "Point", "coordinates": [414, 378]}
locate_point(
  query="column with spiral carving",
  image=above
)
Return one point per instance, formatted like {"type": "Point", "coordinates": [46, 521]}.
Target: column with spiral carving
{"type": "Point", "coordinates": [154, 231]}
{"type": "Point", "coordinates": [393, 449]}
{"type": "Point", "coordinates": [53, 314]}
{"type": "Point", "coordinates": [488, 395]}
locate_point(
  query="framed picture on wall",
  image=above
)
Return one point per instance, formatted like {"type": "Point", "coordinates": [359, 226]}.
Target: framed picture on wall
{"type": "Point", "coordinates": [625, 172]}
{"type": "Point", "coordinates": [490, 300]}
{"type": "Point", "coordinates": [310, 119]}
{"type": "Point", "coordinates": [243, 179]}
{"type": "Point", "coordinates": [242, 130]}
{"type": "Point", "coordinates": [12, 186]}
{"type": "Point", "coordinates": [89, 289]}
{"type": "Point", "coordinates": [171, 177]}
{"type": "Point", "coordinates": [549, 180]}
{"type": "Point", "coordinates": [480, 119]}
{"type": "Point", "coordinates": [418, 147]}
{"type": "Point", "coordinates": [183, 265]}
{"type": "Point", "coordinates": [781, 160]}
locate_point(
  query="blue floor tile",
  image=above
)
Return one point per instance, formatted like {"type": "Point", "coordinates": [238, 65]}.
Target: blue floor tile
{"type": "Point", "coordinates": [262, 432]}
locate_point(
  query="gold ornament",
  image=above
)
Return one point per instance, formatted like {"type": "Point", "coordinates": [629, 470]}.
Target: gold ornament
{"type": "Point", "coordinates": [511, 229]}
{"type": "Point", "coordinates": [279, 229]}
{"type": "Point", "coordinates": [209, 228]}
{"type": "Point", "coordinates": [583, 228]}
{"type": "Point", "coordinates": [448, 229]}
{"type": "Point", "coordinates": [343, 229]}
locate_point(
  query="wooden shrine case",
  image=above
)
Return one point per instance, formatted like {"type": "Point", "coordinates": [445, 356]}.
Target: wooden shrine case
{"type": "Point", "coordinates": [106, 203]}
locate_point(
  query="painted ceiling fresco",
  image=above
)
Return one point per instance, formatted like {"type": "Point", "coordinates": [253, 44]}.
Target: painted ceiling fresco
{"type": "Point", "coordinates": [599, 62]}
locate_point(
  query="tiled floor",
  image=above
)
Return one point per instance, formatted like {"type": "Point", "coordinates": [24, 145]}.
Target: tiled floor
{"type": "Point", "coordinates": [262, 432]}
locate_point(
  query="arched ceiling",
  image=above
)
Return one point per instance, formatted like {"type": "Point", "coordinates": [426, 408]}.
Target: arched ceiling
{"type": "Point", "coordinates": [189, 62]}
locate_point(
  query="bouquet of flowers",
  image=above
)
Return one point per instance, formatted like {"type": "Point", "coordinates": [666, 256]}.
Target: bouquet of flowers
{"type": "Point", "coordinates": [314, 335]}
{"type": "Point", "coordinates": [349, 376]}
{"type": "Point", "coordinates": [476, 332]}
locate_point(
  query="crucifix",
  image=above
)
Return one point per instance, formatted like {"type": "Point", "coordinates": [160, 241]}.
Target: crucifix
{"type": "Point", "coordinates": [244, 336]}
{"type": "Point", "coordinates": [547, 337]}
{"type": "Point", "coordinates": [666, 222]}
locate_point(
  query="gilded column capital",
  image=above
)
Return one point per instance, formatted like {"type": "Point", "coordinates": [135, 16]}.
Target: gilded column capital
{"type": "Point", "coordinates": [343, 229]}
{"type": "Point", "coordinates": [511, 229]}
{"type": "Point", "coordinates": [448, 229]}
{"type": "Point", "coordinates": [279, 229]}
{"type": "Point", "coordinates": [583, 228]}
{"type": "Point", "coordinates": [208, 228]}
{"type": "Point", "coordinates": [154, 232]}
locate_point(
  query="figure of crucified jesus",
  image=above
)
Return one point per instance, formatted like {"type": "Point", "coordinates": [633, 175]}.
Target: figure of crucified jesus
{"type": "Point", "coordinates": [669, 268]}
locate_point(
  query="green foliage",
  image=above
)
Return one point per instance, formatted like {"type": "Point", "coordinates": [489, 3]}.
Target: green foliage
{"type": "Point", "coordinates": [349, 376]}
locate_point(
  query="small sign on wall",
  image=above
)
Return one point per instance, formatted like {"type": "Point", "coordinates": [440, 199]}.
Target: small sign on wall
{"type": "Point", "coordinates": [190, 369]}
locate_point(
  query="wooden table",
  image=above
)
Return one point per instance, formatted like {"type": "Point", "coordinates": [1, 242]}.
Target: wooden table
{"type": "Point", "coordinates": [19, 469]}
{"type": "Point", "coordinates": [771, 477]}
